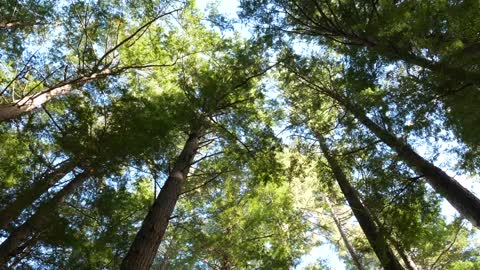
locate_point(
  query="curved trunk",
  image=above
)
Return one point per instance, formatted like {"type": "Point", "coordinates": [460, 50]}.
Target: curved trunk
{"type": "Point", "coordinates": [145, 245]}
{"type": "Point", "coordinates": [33, 193]}
{"type": "Point", "coordinates": [374, 236]}
{"type": "Point", "coordinates": [458, 196]}
{"type": "Point", "coordinates": [38, 221]}
{"type": "Point", "coordinates": [350, 249]}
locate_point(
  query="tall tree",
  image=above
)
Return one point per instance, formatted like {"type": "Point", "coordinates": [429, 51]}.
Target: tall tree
{"type": "Point", "coordinates": [12, 245]}
{"type": "Point", "coordinates": [144, 248]}
{"type": "Point", "coordinates": [343, 234]}
{"type": "Point", "coordinates": [459, 197]}
{"type": "Point", "coordinates": [33, 193]}
{"type": "Point", "coordinates": [373, 234]}
{"type": "Point", "coordinates": [211, 99]}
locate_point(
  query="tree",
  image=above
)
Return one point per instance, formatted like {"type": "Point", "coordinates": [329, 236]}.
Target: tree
{"type": "Point", "coordinates": [150, 134]}
{"type": "Point", "coordinates": [431, 41]}
{"type": "Point", "coordinates": [462, 199]}
{"type": "Point", "coordinates": [374, 235]}
{"type": "Point", "coordinates": [210, 97]}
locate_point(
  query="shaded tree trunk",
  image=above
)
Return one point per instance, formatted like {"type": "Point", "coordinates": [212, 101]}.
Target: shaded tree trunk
{"type": "Point", "coordinates": [374, 236]}
{"type": "Point", "coordinates": [350, 249]}
{"type": "Point", "coordinates": [38, 221]}
{"type": "Point", "coordinates": [33, 193]}
{"type": "Point", "coordinates": [407, 260]}
{"type": "Point", "coordinates": [458, 196]}
{"type": "Point", "coordinates": [145, 245]}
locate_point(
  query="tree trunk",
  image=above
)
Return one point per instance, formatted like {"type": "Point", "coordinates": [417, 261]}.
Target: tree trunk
{"type": "Point", "coordinates": [350, 249]}
{"type": "Point", "coordinates": [144, 248]}
{"type": "Point", "coordinates": [374, 236]}
{"type": "Point", "coordinates": [407, 260]}
{"type": "Point", "coordinates": [31, 102]}
{"type": "Point", "coordinates": [14, 24]}
{"type": "Point", "coordinates": [39, 220]}
{"type": "Point", "coordinates": [33, 193]}
{"type": "Point", "coordinates": [459, 197]}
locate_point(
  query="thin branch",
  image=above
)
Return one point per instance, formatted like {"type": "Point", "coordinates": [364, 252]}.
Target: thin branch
{"type": "Point", "coordinates": [146, 25]}
{"type": "Point", "coordinates": [202, 185]}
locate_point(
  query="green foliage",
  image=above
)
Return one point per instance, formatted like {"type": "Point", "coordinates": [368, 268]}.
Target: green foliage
{"type": "Point", "coordinates": [143, 74]}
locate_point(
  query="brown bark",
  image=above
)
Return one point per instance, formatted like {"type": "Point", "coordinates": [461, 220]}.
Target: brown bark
{"type": "Point", "coordinates": [353, 254]}
{"type": "Point", "coordinates": [145, 245]}
{"type": "Point", "coordinates": [458, 196]}
{"type": "Point", "coordinates": [373, 234]}
{"type": "Point", "coordinates": [38, 221]}
{"type": "Point", "coordinates": [33, 193]}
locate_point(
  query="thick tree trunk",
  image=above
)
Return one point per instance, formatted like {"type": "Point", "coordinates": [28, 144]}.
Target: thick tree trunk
{"type": "Point", "coordinates": [374, 236]}
{"type": "Point", "coordinates": [38, 221]}
{"type": "Point", "coordinates": [144, 248]}
{"type": "Point", "coordinates": [458, 196]}
{"type": "Point", "coordinates": [31, 102]}
{"type": "Point", "coordinates": [350, 249]}
{"type": "Point", "coordinates": [33, 193]}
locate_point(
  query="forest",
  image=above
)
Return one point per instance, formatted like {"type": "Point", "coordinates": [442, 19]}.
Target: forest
{"type": "Point", "coordinates": [249, 134]}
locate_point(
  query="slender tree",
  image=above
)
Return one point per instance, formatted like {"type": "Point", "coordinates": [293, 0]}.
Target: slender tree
{"type": "Point", "coordinates": [374, 236]}
{"type": "Point", "coordinates": [464, 201]}
{"type": "Point", "coordinates": [92, 69]}
{"type": "Point", "coordinates": [34, 192]}
{"type": "Point", "coordinates": [37, 222]}
{"type": "Point", "coordinates": [353, 254]}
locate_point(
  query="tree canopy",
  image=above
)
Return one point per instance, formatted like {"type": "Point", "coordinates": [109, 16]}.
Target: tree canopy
{"type": "Point", "coordinates": [170, 135]}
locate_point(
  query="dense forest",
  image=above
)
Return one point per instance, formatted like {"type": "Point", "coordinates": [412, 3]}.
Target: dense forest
{"type": "Point", "coordinates": [155, 134]}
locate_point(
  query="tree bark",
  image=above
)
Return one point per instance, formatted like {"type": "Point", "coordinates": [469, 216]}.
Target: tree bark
{"type": "Point", "coordinates": [350, 249]}
{"type": "Point", "coordinates": [14, 24]}
{"type": "Point", "coordinates": [458, 196]}
{"type": "Point", "coordinates": [39, 220]}
{"type": "Point", "coordinates": [31, 102]}
{"type": "Point", "coordinates": [145, 245]}
{"type": "Point", "coordinates": [407, 260]}
{"type": "Point", "coordinates": [33, 193]}
{"type": "Point", "coordinates": [374, 236]}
